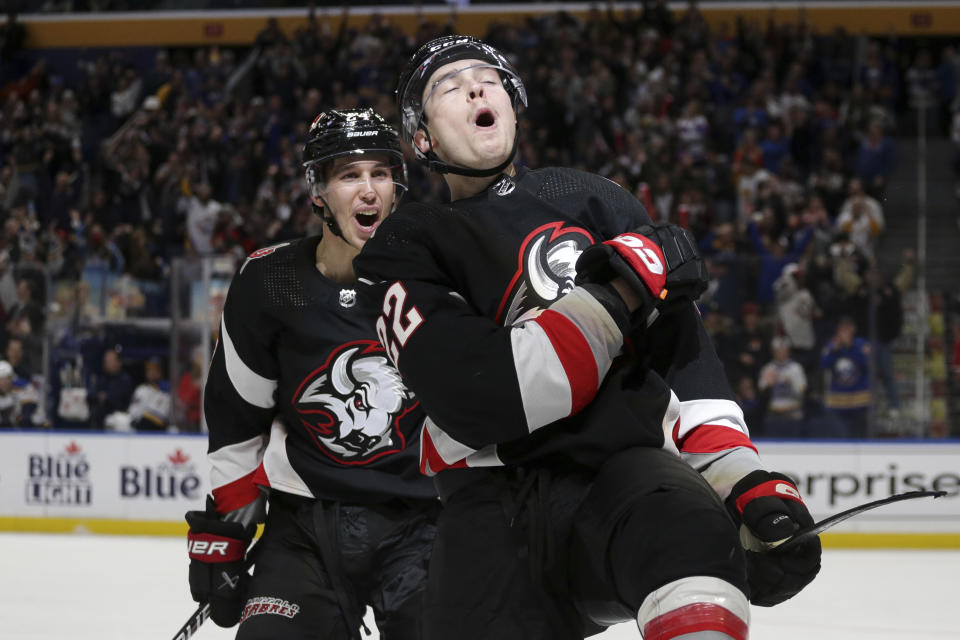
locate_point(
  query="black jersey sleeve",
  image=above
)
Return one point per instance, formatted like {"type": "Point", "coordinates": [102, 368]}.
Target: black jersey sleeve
{"type": "Point", "coordinates": [480, 382]}
{"type": "Point", "coordinates": [240, 392]}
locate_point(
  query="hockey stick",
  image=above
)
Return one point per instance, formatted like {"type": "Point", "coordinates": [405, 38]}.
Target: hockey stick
{"type": "Point", "coordinates": [815, 529]}
{"type": "Point", "coordinates": [192, 625]}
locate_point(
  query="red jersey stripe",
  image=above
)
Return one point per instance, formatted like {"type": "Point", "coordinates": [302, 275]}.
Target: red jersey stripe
{"type": "Point", "coordinates": [236, 494]}
{"type": "Point", "coordinates": [576, 357]}
{"type": "Point", "coordinates": [711, 438]}
{"type": "Point", "coordinates": [773, 488]}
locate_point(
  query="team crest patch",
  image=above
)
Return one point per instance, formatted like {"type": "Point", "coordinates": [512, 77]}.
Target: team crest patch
{"type": "Point", "coordinates": [348, 298]}
{"type": "Point", "coordinates": [354, 404]}
{"type": "Point", "coordinates": [269, 606]}
{"type": "Point", "coordinates": [546, 270]}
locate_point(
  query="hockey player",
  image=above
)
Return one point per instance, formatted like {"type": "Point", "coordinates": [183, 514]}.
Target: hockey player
{"type": "Point", "coordinates": [548, 301]}
{"type": "Point", "coordinates": [306, 412]}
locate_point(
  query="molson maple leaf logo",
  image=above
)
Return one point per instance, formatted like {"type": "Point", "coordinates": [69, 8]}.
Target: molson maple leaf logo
{"type": "Point", "coordinates": [73, 449]}
{"type": "Point", "coordinates": [178, 458]}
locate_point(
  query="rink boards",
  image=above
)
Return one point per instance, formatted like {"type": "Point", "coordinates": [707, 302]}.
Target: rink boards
{"type": "Point", "coordinates": [143, 484]}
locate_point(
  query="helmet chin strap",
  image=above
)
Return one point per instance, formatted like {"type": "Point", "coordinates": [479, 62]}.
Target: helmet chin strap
{"type": "Point", "coordinates": [434, 163]}
{"type": "Point", "coordinates": [329, 220]}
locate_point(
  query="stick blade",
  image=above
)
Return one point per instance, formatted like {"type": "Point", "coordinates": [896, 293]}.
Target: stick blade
{"type": "Point", "coordinates": [819, 527]}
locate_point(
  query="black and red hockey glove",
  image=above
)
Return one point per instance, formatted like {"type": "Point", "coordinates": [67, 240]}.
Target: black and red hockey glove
{"type": "Point", "coordinates": [218, 573]}
{"type": "Point", "coordinates": [768, 508]}
{"type": "Point", "coordinates": [660, 262]}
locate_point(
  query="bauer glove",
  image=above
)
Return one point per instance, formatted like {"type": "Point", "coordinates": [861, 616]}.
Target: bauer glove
{"type": "Point", "coordinates": [768, 508]}
{"type": "Point", "coordinates": [659, 262]}
{"type": "Point", "coordinates": [218, 572]}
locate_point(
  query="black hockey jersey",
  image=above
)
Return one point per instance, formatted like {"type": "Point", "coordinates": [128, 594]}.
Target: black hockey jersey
{"type": "Point", "coordinates": [512, 362]}
{"type": "Point", "coordinates": [300, 396]}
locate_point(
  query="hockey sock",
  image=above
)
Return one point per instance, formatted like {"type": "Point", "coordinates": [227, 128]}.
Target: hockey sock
{"type": "Point", "coordinates": [695, 608]}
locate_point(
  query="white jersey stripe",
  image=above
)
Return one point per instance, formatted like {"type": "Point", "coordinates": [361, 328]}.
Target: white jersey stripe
{"type": "Point", "coordinates": [486, 457]}
{"type": "Point", "coordinates": [670, 417]}
{"type": "Point", "coordinates": [449, 450]}
{"type": "Point", "coordinates": [726, 413]}
{"type": "Point", "coordinates": [280, 473]}
{"type": "Point", "coordinates": [544, 386]}
{"type": "Point", "coordinates": [251, 386]}
{"type": "Point", "coordinates": [595, 325]}
{"type": "Point", "coordinates": [232, 462]}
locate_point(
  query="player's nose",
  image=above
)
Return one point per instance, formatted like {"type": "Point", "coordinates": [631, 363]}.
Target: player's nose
{"type": "Point", "coordinates": [476, 90]}
{"type": "Point", "coordinates": [367, 192]}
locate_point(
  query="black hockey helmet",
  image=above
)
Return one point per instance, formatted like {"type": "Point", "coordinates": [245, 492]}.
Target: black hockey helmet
{"type": "Point", "coordinates": [413, 82]}
{"type": "Point", "coordinates": [344, 132]}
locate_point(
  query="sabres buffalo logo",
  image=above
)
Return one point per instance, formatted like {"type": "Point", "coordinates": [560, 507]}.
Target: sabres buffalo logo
{"type": "Point", "coordinates": [545, 272]}
{"type": "Point", "coordinates": [354, 403]}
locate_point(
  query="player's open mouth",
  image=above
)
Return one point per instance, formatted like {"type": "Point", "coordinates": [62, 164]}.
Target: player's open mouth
{"type": "Point", "coordinates": [484, 118]}
{"type": "Point", "coordinates": [367, 220]}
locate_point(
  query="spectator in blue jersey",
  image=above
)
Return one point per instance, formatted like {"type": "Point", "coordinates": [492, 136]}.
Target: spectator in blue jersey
{"type": "Point", "coordinates": [847, 360]}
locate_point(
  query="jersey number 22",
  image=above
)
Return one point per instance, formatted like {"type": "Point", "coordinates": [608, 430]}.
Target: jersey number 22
{"type": "Point", "coordinates": [403, 324]}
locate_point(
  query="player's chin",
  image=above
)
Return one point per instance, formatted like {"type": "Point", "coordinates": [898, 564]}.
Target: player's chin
{"type": "Point", "coordinates": [359, 235]}
{"type": "Point", "coordinates": [492, 152]}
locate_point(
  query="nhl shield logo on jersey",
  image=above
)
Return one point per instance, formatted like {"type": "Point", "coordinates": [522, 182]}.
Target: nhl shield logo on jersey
{"type": "Point", "coordinates": [546, 269]}
{"type": "Point", "coordinates": [348, 298]}
{"type": "Point", "coordinates": [354, 403]}
{"type": "Point", "coordinates": [504, 186]}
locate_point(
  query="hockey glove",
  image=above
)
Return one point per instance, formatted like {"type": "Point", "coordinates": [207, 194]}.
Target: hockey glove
{"type": "Point", "coordinates": [218, 574]}
{"type": "Point", "coordinates": [659, 262]}
{"type": "Point", "coordinates": [768, 508]}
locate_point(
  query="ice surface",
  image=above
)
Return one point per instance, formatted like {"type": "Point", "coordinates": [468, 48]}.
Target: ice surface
{"type": "Point", "coordinates": [79, 587]}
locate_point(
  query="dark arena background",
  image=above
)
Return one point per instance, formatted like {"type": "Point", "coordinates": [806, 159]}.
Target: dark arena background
{"type": "Point", "coordinates": [812, 148]}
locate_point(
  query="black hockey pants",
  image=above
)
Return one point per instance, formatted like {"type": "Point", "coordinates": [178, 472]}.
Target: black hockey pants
{"type": "Point", "coordinates": [320, 563]}
{"type": "Point", "coordinates": [548, 554]}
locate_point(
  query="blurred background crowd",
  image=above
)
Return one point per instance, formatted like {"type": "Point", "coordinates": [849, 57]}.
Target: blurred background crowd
{"type": "Point", "coordinates": [133, 181]}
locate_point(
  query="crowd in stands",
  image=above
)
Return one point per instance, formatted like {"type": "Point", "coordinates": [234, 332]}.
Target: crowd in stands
{"type": "Point", "coordinates": [773, 143]}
